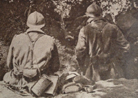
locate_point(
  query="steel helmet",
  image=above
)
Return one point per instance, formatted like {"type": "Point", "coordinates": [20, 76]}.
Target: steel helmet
{"type": "Point", "coordinates": [35, 20]}
{"type": "Point", "coordinates": [93, 9]}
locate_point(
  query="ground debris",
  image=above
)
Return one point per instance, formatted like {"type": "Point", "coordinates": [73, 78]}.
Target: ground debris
{"type": "Point", "coordinates": [118, 88]}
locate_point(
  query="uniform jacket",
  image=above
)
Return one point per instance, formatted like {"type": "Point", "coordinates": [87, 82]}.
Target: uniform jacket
{"type": "Point", "coordinates": [45, 54]}
{"type": "Point", "coordinates": [100, 42]}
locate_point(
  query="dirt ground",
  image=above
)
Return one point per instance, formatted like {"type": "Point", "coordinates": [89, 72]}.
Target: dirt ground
{"type": "Point", "coordinates": [119, 88]}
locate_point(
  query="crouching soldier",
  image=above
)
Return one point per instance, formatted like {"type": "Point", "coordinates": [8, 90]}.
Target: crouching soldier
{"type": "Point", "coordinates": [99, 45]}
{"type": "Point", "coordinates": [31, 54]}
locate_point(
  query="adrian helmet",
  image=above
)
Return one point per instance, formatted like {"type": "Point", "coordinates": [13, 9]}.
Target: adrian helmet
{"type": "Point", "coordinates": [35, 20]}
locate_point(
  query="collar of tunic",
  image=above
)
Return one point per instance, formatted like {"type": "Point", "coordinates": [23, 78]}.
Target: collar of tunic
{"type": "Point", "coordinates": [34, 29]}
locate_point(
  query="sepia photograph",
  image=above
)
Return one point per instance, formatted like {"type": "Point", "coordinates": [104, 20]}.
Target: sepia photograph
{"type": "Point", "coordinates": [68, 48]}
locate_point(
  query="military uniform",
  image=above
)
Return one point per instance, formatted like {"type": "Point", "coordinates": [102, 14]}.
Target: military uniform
{"type": "Point", "coordinates": [43, 55]}
{"type": "Point", "coordinates": [99, 44]}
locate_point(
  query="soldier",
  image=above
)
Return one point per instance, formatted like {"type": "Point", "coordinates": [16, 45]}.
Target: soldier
{"type": "Point", "coordinates": [31, 54]}
{"type": "Point", "coordinates": [99, 45]}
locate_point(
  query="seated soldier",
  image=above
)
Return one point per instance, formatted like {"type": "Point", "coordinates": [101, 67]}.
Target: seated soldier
{"type": "Point", "coordinates": [31, 54]}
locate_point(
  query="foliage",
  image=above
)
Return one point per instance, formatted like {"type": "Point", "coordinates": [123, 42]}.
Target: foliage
{"type": "Point", "coordinates": [114, 7]}
{"type": "Point", "coordinates": [67, 57]}
{"type": "Point", "coordinates": [13, 13]}
{"type": "Point", "coordinates": [63, 7]}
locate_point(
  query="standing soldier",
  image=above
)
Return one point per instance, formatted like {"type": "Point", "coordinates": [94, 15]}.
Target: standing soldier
{"type": "Point", "coordinates": [31, 54]}
{"type": "Point", "coordinates": [99, 45]}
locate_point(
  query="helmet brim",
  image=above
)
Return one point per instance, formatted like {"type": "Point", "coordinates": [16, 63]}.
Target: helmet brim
{"type": "Point", "coordinates": [89, 15]}
{"type": "Point", "coordinates": [35, 26]}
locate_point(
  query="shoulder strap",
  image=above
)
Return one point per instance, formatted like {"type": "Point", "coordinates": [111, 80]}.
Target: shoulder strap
{"type": "Point", "coordinates": [32, 45]}
{"type": "Point", "coordinates": [39, 35]}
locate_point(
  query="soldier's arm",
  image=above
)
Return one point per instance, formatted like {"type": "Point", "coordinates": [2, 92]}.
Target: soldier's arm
{"type": "Point", "coordinates": [10, 54]}
{"type": "Point", "coordinates": [121, 42]}
{"type": "Point", "coordinates": [81, 47]}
